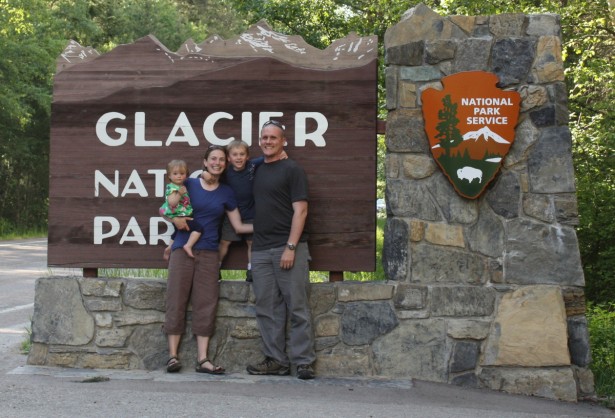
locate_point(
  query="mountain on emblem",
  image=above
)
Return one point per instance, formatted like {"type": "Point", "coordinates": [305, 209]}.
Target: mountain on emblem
{"type": "Point", "coordinates": [470, 125]}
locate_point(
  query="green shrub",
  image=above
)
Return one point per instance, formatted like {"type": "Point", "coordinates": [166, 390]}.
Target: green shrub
{"type": "Point", "coordinates": [26, 343]}
{"type": "Point", "coordinates": [133, 273]}
{"type": "Point", "coordinates": [601, 323]}
{"type": "Point", "coordinates": [9, 231]}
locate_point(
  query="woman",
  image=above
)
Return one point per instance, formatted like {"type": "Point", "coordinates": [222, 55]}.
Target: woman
{"type": "Point", "coordinates": [195, 280]}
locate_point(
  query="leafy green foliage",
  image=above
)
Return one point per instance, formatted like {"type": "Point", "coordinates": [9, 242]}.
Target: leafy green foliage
{"type": "Point", "coordinates": [319, 21]}
{"type": "Point", "coordinates": [590, 71]}
{"type": "Point", "coordinates": [601, 324]}
{"type": "Point", "coordinates": [381, 167]}
{"type": "Point", "coordinates": [480, 7]}
{"type": "Point", "coordinates": [215, 17]}
{"type": "Point", "coordinates": [27, 63]}
{"type": "Point", "coordinates": [104, 24]}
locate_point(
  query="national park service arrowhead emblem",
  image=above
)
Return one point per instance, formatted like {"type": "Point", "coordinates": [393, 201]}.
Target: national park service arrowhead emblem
{"type": "Point", "coordinates": [470, 125]}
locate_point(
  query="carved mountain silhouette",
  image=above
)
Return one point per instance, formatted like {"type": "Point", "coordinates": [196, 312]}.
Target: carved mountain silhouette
{"type": "Point", "coordinates": [258, 41]}
{"type": "Point", "coordinates": [262, 41]}
{"type": "Point", "coordinates": [148, 63]}
{"type": "Point", "coordinates": [481, 143]}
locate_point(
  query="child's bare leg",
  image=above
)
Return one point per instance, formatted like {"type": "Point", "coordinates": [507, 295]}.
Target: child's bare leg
{"type": "Point", "coordinates": [167, 251]}
{"type": "Point", "coordinates": [249, 270]}
{"type": "Point", "coordinates": [249, 244]}
{"type": "Point", "coordinates": [223, 250]}
{"type": "Point", "coordinates": [192, 239]}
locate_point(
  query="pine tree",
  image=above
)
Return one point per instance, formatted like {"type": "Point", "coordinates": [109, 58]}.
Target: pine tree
{"type": "Point", "coordinates": [448, 134]}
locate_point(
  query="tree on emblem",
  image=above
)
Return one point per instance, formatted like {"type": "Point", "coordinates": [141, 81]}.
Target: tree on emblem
{"type": "Point", "coordinates": [448, 134]}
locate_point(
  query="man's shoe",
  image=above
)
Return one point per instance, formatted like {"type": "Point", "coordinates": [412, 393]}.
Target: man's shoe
{"type": "Point", "coordinates": [305, 371]}
{"type": "Point", "coordinates": [249, 276]}
{"type": "Point", "coordinates": [269, 366]}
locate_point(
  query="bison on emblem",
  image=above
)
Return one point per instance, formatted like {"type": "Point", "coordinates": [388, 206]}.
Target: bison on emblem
{"type": "Point", "coordinates": [469, 174]}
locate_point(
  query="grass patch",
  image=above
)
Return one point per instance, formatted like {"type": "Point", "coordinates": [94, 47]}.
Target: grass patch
{"type": "Point", "coordinates": [26, 344]}
{"type": "Point", "coordinates": [133, 273]}
{"type": "Point", "coordinates": [11, 233]}
{"type": "Point", "coordinates": [601, 324]}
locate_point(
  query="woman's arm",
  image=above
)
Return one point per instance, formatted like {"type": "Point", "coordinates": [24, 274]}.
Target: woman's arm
{"type": "Point", "coordinates": [180, 222]}
{"type": "Point", "coordinates": [258, 161]}
{"type": "Point", "coordinates": [238, 225]}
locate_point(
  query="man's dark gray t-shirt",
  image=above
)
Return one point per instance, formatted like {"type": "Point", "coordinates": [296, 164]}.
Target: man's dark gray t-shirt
{"type": "Point", "coordinates": [276, 186]}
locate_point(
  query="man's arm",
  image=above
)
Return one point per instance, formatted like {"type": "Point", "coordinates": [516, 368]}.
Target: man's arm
{"type": "Point", "coordinates": [296, 229]}
{"type": "Point", "coordinates": [206, 175]}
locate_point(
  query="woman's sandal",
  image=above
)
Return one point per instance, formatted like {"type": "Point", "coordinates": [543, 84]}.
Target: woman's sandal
{"type": "Point", "coordinates": [202, 369]}
{"type": "Point", "coordinates": [173, 365]}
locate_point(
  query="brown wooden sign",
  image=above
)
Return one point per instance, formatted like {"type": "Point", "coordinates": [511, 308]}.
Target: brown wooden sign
{"type": "Point", "coordinates": [471, 127]}
{"type": "Point", "coordinates": [118, 118]}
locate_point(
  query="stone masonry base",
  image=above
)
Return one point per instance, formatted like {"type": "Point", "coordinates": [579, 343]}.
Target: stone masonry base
{"type": "Point", "coordinates": [383, 329]}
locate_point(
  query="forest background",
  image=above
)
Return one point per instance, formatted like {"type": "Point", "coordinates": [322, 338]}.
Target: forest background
{"type": "Point", "coordinates": [33, 33]}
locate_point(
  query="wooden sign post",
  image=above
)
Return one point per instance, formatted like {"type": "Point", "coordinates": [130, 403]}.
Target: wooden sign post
{"type": "Point", "coordinates": [118, 118]}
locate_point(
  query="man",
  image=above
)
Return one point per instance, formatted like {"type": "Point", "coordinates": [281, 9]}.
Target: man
{"type": "Point", "coordinates": [280, 260]}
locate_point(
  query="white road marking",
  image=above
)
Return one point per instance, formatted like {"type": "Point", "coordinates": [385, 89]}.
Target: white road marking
{"type": "Point", "coordinates": [17, 308]}
{"type": "Point", "coordinates": [13, 331]}
{"type": "Point", "coordinates": [21, 244]}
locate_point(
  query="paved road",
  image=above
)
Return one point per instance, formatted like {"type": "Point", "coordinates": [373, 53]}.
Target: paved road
{"type": "Point", "coordinates": [21, 263]}
{"type": "Point", "coordinates": [29, 391]}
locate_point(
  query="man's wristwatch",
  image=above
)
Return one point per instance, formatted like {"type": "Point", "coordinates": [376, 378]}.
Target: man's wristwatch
{"type": "Point", "coordinates": [291, 246]}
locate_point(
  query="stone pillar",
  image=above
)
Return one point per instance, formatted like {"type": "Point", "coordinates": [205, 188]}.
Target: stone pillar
{"type": "Point", "coordinates": [493, 272]}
